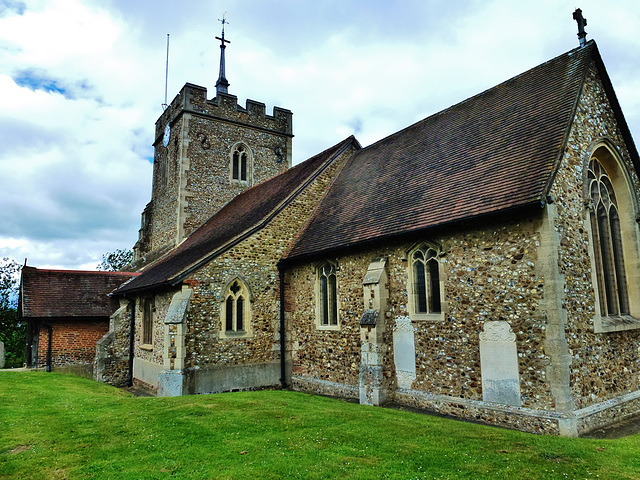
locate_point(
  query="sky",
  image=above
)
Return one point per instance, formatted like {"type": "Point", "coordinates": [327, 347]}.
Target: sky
{"type": "Point", "coordinates": [82, 83]}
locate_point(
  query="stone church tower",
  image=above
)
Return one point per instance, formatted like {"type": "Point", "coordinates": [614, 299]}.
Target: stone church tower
{"type": "Point", "coordinates": [206, 153]}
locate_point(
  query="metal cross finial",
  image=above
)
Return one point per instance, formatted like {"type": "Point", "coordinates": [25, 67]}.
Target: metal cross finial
{"type": "Point", "coordinates": [222, 84]}
{"type": "Point", "coordinates": [582, 22]}
{"type": "Point", "coordinates": [224, 22]}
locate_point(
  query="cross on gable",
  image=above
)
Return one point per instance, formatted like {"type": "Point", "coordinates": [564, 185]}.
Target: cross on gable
{"type": "Point", "coordinates": [582, 22]}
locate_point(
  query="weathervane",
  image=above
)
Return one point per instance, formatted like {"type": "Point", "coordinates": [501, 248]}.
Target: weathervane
{"type": "Point", "coordinates": [222, 84]}
{"type": "Point", "coordinates": [582, 22]}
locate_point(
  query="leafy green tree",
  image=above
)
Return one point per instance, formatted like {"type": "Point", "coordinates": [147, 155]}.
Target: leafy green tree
{"type": "Point", "coordinates": [12, 332]}
{"type": "Point", "coordinates": [116, 260]}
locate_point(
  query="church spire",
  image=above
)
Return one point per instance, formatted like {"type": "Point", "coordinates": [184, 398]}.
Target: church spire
{"type": "Point", "coordinates": [222, 84]}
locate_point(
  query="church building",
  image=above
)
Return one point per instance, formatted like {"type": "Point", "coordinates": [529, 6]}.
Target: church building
{"type": "Point", "coordinates": [482, 263]}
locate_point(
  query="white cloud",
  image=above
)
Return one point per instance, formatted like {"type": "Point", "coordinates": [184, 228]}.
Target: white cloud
{"type": "Point", "coordinates": [82, 83]}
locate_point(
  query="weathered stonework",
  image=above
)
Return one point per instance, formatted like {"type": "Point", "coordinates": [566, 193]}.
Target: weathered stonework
{"type": "Point", "coordinates": [210, 361]}
{"type": "Point", "coordinates": [605, 365]}
{"type": "Point", "coordinates": [517, 289]}
{"type": "Point", "coordinates": [490, 274]}
{"type": "Point", "coordinates": [535, 274]}
{"type": "Point", "coordinates": [111, 364]}
{"type": "Point", "coordinates": [192, 174]}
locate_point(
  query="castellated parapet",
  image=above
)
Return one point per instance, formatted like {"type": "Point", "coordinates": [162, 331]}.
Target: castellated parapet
{"type": "Point", "coordinates": [193, 99]}
{"type": "Point", "coordinates": [193, 173]}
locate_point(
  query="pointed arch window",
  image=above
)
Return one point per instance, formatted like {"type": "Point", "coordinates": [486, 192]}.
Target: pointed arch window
{"type": "Point", "coordinates": [236, 310]}
{"type": "Point", "coordinates": [327, 296]}
{"type": "Point", "coordinates": [607, 242]}
{"type": "Point", "coordinates": [425, 293]}
{"type": "Point", "coordinates": [241, 164]}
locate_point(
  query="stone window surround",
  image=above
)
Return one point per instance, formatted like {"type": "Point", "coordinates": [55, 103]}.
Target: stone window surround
{"type": "Point", "coordinates": [317, 272]}
{"type": "Point", "coordinates": [249, 152]}
{"type": "Point", "coordinates": [411, 295]}
{"type": "Point", "coordinates": [611, 160]}
{"type": "Point", "coordinates": [245, 292]}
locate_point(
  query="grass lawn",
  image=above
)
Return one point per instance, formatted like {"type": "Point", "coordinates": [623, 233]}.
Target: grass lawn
{"type": "Point", "coordinates": [63, 427]}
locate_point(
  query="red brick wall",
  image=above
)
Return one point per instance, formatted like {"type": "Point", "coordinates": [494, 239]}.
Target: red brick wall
{"type": "Point", "coordinates": [73, 342]}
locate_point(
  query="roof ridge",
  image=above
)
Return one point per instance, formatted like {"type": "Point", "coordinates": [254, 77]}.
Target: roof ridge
{"type": "Point", "coordinates": [339, 147]}
{"type": "Point", "coordinates": [205, 244]}
{"type": "Point", "coordinates": [312, 216]}
{"type": "Point", "coordinates": [91, 272]}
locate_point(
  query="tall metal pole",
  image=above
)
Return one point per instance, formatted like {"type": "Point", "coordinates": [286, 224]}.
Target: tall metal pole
{"type": "Point", "coordinates": [166, 77]}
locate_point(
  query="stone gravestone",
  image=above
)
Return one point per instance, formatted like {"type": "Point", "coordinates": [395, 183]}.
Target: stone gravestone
{"type": "Point", "coordinates": [499, 364]}
{"type": "Point", "coordinates": [404, 352]}
{"type": "Point", "coordinates": [1, 355]}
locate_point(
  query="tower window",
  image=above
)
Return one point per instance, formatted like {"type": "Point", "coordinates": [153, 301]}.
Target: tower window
{"type": "Point", "coordinates": [240, 163]}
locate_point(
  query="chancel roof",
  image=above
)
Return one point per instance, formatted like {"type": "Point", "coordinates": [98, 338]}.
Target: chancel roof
{"type": "Point", "coordinates": [492, 152]}
{"type": "Point", "coordinates": [243, 215]}
{"type": "Point", "coordinates": [69, 293]}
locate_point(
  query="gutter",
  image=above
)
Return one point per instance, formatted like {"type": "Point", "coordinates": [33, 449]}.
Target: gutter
{"type": "Point", "coordinates": [283, 369]}
{"type": "Point", "coordinates": [50, 339]}
{"type": "Point", "coordinates": [538, 202]}
{"type": "Point", "coordinates": [132, 336]}
{"type": "Point", "coordinates": [172, 282]}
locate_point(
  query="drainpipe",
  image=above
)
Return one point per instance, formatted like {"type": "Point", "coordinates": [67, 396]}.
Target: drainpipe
{"type": "Point", "coordinates": [283, 372]}
{"type": "Point", "coordinates": [50, 339]}
{"type": "Point", "coordinates": [132, 337]}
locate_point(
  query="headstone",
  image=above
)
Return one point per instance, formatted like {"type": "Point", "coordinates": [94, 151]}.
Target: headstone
{"type": "Point", "coordinates": [499, 364]}
{"type": "Point", "coordinates": [1, 354]}
{"type": "Point", "coordinates": [170, 383]}
{"type": "Point", "coordinates": [404, 352]}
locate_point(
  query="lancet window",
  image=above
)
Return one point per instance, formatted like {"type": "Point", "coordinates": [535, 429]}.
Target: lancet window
{"type": "Point", "coordinates": [327, 295]}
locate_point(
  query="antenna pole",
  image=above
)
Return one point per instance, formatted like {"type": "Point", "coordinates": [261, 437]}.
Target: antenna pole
{"type": "Point", "coordinates": [166, 77]}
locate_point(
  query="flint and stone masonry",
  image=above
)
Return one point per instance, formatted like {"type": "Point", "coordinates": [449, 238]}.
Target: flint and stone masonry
{"type": "Point", "coordinates": [520, 339]}
{"type": "Point", "coordinates": [192, 173]}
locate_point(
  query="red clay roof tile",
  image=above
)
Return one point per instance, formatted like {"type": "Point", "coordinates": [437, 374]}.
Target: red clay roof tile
{"type": "Point", "coordinates": [69, 293]}
{"type": "Point", "coordinates": [492, 152]}
{"type": "Point", "coordinates": [241, 215]}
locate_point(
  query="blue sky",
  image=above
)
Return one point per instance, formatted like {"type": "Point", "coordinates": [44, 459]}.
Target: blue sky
{"type": "Point", "coordinates": [82, 83]}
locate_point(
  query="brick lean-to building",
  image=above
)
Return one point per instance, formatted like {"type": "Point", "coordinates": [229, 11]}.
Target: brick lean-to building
{"type": "Point", "coordinates": [67, 312]}
{"type": "Point", "coordinates": [483, 262]}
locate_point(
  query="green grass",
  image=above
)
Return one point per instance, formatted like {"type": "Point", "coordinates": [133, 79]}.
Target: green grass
{"type": "Point", "coordinates": [63, 427]}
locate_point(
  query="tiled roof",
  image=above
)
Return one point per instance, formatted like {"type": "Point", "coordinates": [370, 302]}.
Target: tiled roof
{"type": "Point", "coordinates": [69, 293]}
{"type": "Point", "coordinates": [495, 151]}
{"type": "Point", "coordinates": [246, 212]}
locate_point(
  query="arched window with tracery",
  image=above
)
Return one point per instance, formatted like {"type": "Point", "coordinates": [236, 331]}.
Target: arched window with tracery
{"type": "Point", "coordinates": [236, 311]}
{"type": "Point", "coordinates": [607, 242]}
{"type": "Point", "coordinates": [327, 295]}
{"type": "Point", "coordinates": [241, 164]}
{"type": "Point", "coordinates": [426, 280]}
{"type": "Point", "coordinates": [424, 288]}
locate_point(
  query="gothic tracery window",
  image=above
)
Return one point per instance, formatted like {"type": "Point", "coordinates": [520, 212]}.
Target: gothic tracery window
{"type": "Point", "coordinates": [425, 281]}
{"type": "Point", "coordinates": [327, 295]}
{"type": "Point", "coordinates": [240, 164]}
{"type": "Point", "coordinates": [236, 308]}
{"type": "Point", "coordinates": [607, 242]}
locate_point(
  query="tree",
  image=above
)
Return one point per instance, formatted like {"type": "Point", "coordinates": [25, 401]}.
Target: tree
{"type": "Point", "coordinates": [116, 260]}
{"type": "Point", "coordinates": [13, 333]}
